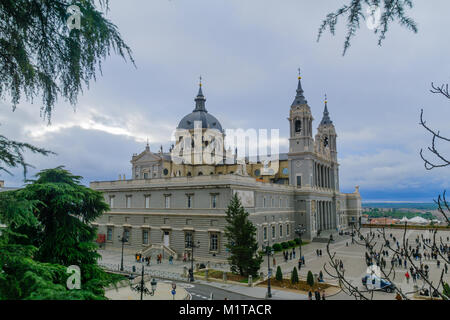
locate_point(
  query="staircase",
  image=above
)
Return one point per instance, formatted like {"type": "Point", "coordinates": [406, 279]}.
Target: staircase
{"type": "Point", "coordinates": [158, 248]}
{"type": "Point", "coordinates": [325, 236]}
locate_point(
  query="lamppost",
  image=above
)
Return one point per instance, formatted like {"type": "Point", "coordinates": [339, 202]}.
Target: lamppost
{"type": "Point", "coordinates": [299, 231]}
{"type": "Point", "coordinates": [269, 252]}
{"type": "Point", "coordinates": [123, 240]}
{"type": "Point", "coordinates": [142, 288]}
{"type": "Point", "coordinates": [191, 271]}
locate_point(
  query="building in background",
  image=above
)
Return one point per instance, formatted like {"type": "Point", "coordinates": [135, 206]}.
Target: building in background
{"type": "Point", "coordinates": [170, 203]}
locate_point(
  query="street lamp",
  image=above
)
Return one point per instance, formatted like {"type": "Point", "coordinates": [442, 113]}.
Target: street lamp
{"type": "Point", "coordinates": [142, 288]}
{"type": "Point", "coordinates": [191, 245]}
{"type": "Point", "coordinates": [123, 240]}
{"type": "Point", "coordinates": [299, 231]}
{"type": "Point", "coordinates": [269, 252]}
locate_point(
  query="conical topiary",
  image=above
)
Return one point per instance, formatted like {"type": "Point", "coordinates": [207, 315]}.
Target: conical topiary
{"type": "Point", "coordinates": [279, 274]}
{"type": "Point", "coordinates": [310, 279]}
{"type": "Point", "coordinates": [294, 276]}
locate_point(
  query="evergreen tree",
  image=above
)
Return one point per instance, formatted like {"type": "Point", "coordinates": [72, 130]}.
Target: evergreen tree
{"type": "Point", "coordinates": [48, 229]}
{"type": "Point", "coordinates": [310, 279]}
{"type": "Point", "coordinates": [241, 240]}
{"type": "Point", "coordinates": [41, 54]}
{"type": "Point", "coordinates": [279, 274]}
{"type": "Point", "coordinates": [294, 276]}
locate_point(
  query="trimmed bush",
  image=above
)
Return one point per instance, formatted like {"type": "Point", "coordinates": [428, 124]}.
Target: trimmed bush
{"type": "Point", "coordinates": [279, 275]}
{"type": "Point", "coordinates": [310, 279]}
{"type": "Point", "coordinates": [284, 245]}
{"type": "Point", "coordinates": [291, 243]}
{"type": "Point", "coordinates": [298, 241]}
{"type": "Point", "coordinates": [277, 247]}
{"type": "Point", "coordinates": [294, 276]}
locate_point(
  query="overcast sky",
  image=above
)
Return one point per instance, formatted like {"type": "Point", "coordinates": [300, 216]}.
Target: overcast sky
{"type": "Point", "coordinates": [248, 53]}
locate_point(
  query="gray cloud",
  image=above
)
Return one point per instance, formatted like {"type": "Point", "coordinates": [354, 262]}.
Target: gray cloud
{"type": "Point", "coordinates": [248, 53]}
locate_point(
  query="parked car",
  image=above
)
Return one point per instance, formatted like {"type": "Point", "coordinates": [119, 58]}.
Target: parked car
{"type": "Point", "coordinates": [373, 282]}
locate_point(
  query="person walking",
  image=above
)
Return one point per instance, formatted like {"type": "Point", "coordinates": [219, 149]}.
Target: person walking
{"type": "Point", "coordinates": [407, 277]}
{"type": "Point", "coordinates": [317, 294]}
{"type": "Point", "coordinates": [309, 295]}
{"type": "Point", "coordinates": [323, 294]}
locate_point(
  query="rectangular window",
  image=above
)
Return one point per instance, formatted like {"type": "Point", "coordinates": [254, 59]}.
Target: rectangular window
{"type": "Point", "coordinates": [111, 202]}
{"type": "Point", "coordinates": [189, 201]}
{"type": "Point", "coordinates": [126, 234]}
{"type": "Point", "coordinates": [264, 202]}
{"type": "Point", "coordinates": [128, 201]}
{"type": "Point", "coordinates": [145, 236]}
{"type": "Point", "coordinates": [214, 242]}
{"type": "Point", "coordinates": [109, 234]}
{"type": "Point", "coordinates": [273, 232]}
{"type": "Point", "coordinates": [280, 205]}
{"type": "Point", "coordinates": [273, 202]}
{"type": "Point", "coordinates": [265, 233]}
{"type": "Point", "coordinates": [288, 231]}
{"type": "Point", "coordinates": [299, 181]}
{"type": "Point", "coordinates": [147, 202]}
{"type": "Point", "coordinates": [281, 230]}
{"type": "Point", "coordinates": [213, 201]}
{"type": "Point", "coordinates": [188, 240]}
{"type": "Point", "coordinates": [167, 202]}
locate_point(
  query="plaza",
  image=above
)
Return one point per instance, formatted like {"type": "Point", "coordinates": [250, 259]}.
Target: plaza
{"type": "Point", "coordinates": [352, 256]}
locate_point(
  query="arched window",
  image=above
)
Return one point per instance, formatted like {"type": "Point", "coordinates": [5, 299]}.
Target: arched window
{"type": "Point", "coordinates": [200, 173]}
{"type": "Point", "coordinates": [189, 174]}
{"type": "Point", "coordinates": [298, 126]}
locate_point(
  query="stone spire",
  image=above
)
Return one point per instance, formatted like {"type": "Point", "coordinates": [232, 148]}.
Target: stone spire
{"type": "Point", "coordinates": [147, 147]}
{"type": "Point", "coordinates": [200, 99]}
{"type": "Point", "coordinates": [299, 98]}
{"type": "Point", "coordinates": [326, 115]}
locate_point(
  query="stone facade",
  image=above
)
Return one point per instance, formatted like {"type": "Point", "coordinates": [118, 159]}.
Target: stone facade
{"type": "Point", "coordinates": [168, 204]}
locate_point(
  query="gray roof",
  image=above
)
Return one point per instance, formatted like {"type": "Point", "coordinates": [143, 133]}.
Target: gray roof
{"type": "Point", "coordinates": [299, 98]}
{"type": "Point", "coordinates": [200, 114]}
{"type": "Point", "coordinates": [326, 116]}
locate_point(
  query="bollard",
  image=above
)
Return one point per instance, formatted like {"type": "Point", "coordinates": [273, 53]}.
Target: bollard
{"type": "Point", "coordinates": [250, 281]}
{"type": "Point", "coordinates": [224, 276]}
{"type": "Point", "coordinates": [206, 274]}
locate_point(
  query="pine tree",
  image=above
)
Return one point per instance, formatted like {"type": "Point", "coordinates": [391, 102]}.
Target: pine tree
{"type": "Point", "coordinates": [241, 240]}
{"type": "Point", "coordinates": [310, 279]}
{"type": "Point", "coordinates": [47, 228]}
{"type": "Point", "coordinates": [279, 274]}
{"type": "Point", "coordinates": [294, 276]}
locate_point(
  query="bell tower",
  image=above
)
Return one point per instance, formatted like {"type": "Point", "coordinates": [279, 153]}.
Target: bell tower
{"type": "Point", "coordinates": [300, 139]}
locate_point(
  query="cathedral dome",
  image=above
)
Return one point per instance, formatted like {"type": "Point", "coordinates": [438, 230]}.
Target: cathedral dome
{"type": "Point", "coordinates": [200, 114]}
{"type": "Point", "coordinates": [208, 121]}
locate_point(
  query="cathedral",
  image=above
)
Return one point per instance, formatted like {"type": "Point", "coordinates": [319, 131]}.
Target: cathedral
{"type": "Point", "coordinates": [177, 200]}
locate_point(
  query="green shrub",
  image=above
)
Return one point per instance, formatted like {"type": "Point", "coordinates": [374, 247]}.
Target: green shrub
{"type": "Point", "coordinates": [291, 243]}
{"type": "Point", "coordinates": [310, 279]}
{"type": "Point", "coordinates": [279, 275]}
{"type": "Point", "coordinates": [277, 247]}
{"type": "Point", "coordinates": [284, 245]}
{"type": "Point", "coordinates": [298, 241]}
{"type": "Point", "coordinates": [294, 276]}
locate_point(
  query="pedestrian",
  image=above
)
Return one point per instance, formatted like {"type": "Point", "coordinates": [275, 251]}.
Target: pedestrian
{"type": "Point", "coordinates": [309, 295]}
{"type": "Point", "coordinates": [323, 294]}
{"type": "Point", "coordinates": [317, 294]}
{"type": "Point", "coordinates": [445, 268]}
{"type": "Point", "coordinates": [407, 277]}
{"type": "Point", "coordinates": [299, 264]}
